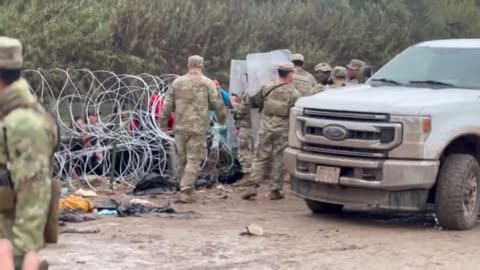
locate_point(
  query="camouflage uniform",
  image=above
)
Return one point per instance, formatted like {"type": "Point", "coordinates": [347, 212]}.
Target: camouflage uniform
{"type": "Point", "coordinates": [245, 138]}
{"type": "Point", "coordinates": [355, 65]}
{"type": "Point", "coordinates": [339, 76]}
{"type": "Point", "coordinates": [191, 97]}
{"type": "Point", "coordinates": [304, 82]}
{"type": "Point", "coordinates": [317, 89]}
{"type": "Point", "coordinates": [27, 139]}
{"type": "Point", "coordinates": [276, 101]}
{"type": "Point", "coordinates": [322, 73]}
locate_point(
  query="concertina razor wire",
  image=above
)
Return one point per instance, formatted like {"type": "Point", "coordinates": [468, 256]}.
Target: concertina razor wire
{"type": "Point", "coordinates": [126, 124]}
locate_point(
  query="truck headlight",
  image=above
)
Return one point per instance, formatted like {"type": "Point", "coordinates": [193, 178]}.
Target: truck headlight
{"type": "Point", "coordinates": [295, 126]}
{"type": "Point", "coordinates": [416, 130]}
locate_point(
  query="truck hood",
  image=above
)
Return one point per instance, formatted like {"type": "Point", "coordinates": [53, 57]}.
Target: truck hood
{"type": "Point", "coordinates": [388, 99]}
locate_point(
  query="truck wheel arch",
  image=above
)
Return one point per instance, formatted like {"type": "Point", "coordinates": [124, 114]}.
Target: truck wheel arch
{"type": "Point", "coordinates": [462, 144]}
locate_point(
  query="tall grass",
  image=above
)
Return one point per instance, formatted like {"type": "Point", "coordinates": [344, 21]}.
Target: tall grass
{"type": "Point", "coordinates": [134, 36]}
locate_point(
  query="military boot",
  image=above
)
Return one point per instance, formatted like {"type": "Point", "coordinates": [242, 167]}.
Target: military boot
{"type": "Point", "coordinates": [185, 196]}
{"type": "Point", "coordinates": [243, 182]}
{"type": "Point", "coordinates": [275, 195]}
{"type": "Point", "coordinates": [250, 192]}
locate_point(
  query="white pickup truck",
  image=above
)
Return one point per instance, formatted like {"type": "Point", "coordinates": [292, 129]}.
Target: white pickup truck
{"type": "Point", "coordinates": [407, 138]}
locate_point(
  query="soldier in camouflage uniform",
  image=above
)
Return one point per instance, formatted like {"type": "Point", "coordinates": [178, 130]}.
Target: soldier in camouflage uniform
{"type": "Point", "coordinates": [322, 73]}
{"type": "Point", "coordinates": [303, 81]}
{"type": "Point", "coordinates": [353, 69]}
{"type": "Point", "coordinates": [339, 77]}
{"type": "Point", "coordinates": [28, 136]}
{"type": "Point", "coordinates": [276, 101]}
{"type": "Point", "coordinates": [245, 138]}
{"type": "Point", "coordinates": [191, 97]}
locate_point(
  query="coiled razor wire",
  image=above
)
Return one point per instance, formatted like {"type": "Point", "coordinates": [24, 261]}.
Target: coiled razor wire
{"type": "Point", "coordinates": [119, 100]}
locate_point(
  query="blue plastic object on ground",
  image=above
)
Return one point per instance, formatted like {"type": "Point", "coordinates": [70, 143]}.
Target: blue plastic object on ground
{"type": "Point", "coordinates": [107, 212]}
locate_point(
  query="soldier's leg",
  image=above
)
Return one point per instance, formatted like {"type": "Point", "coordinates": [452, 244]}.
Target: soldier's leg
{"type": "Point", "coordinates": [31, 212]}
{"type": "Point", "coordinates": [245, 150]}
{"type": "Point", "coordinates": [196, 152]}
{"type": "Point", "coordinates": [181, 149]}
{"type": "Point", "coordinates": [261, 157]}
{"type": "Point", "coordinates": [280, 142]}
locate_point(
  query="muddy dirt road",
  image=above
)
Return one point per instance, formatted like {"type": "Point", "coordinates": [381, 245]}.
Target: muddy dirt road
{"type": "Point", "coordinates": [294, 239]}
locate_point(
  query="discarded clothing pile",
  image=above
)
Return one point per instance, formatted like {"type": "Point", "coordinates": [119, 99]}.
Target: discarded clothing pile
{"type": "Point", "coordinates": [232, 174]}
{"type": "Point", "coordinates": [75, 216]}
{"type": "Point", "coordinates": [133, 209]}
{"type": "Point", "coordinates": [155, 184]}
{"type": "Point", "coordinates": [205, 181]}
{"type": "Point", "coordinates": [158, 184]}
{"type": "Point", "coordinates": [73, 202]}
{"type": "Point", "coordinates": [136, 210]}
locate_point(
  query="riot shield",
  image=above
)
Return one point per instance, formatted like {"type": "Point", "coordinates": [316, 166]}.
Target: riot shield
{"type": "Point", "coordinates": [238, 78]}
{"type": "Point", "coordinates": [262, 68]}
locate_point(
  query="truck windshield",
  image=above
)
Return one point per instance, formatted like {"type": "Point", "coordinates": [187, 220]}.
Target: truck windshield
{"type": "Point", "coordinates": [433, 68]}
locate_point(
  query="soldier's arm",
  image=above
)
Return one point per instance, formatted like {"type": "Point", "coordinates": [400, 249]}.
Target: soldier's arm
{"type": "Point", "coordinates": [30, 148]}
{"type": "Point", "coordinates": [294, 97]}
{"type": "Point", "coordinates": [317, 89]}
{"type": "Point", "coordinates": [257, 100]}
{"type": "Point", "coordinates": [242, 107]}
{"type": "Point", "coordinates": [216, 104]}
{"type": "Point", "coordinates": [168, 106]}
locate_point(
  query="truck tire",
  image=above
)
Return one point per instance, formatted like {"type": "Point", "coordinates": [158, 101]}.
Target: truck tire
{"type": "Point", "coordinates": [322, 207]}
{"type": "Point", "coordinates": [457, 199]}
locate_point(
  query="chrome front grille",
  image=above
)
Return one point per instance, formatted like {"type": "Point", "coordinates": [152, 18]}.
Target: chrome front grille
{"type": "Point", "coordinates": [346, 116]}
{"type": "Point", "coordinates": [348, 133]}
{"type": "Point", "coordinates": [345, 151]}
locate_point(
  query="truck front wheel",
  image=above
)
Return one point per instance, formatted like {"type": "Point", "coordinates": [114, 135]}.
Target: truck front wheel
{"type": "Point", "coordinates": [457, 198]}
{"type": "Point", "coordinates": [322, 207]}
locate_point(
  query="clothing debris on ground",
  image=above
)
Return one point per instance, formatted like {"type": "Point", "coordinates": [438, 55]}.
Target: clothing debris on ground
{"type": "Point", "coordinates": [142, 202]}
{"type": "Point", "coordinates": [109, 204]}
{"type": "Point", "coordinates": [136, 210]}
{"type": "Point", "coordinates": [76, 202]}
{"type": "Point", "coordinates": [64, 192]}
{"type": "Point", "coordinates": [107, 212]}
{"type": "Point", "coordinates": [232, 174]}
{"type": "Point", "coordinates": [132, 209]}
{"type": "Point", "coordinates": [74, 216]}
{"type": "Point", "coordinates": [155, 184]}
{"type": "Point", "coordinates": [205, 181]}
{"type": "Point", "coordinates": [86, 193]}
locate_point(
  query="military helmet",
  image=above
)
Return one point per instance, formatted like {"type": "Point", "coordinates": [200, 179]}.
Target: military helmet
{"type": "Point", "coordinates": [323, 67]}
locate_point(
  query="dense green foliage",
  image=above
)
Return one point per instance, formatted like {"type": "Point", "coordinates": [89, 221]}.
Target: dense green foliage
{"type": "Point", "coordinates": [156, 36]}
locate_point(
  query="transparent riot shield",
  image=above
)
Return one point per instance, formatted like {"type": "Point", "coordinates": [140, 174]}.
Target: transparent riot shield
{"type": "Point", "coordinates": [262, 69]}
{"type": "Point", "coordinates": [238, 76]}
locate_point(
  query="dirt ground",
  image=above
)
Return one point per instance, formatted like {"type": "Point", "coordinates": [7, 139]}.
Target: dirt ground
{"type": "Point", "coordinates": [294, 239]}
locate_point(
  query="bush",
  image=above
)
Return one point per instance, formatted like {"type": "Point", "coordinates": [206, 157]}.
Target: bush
{"type": "Point", "coordinates": [136, 36]}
